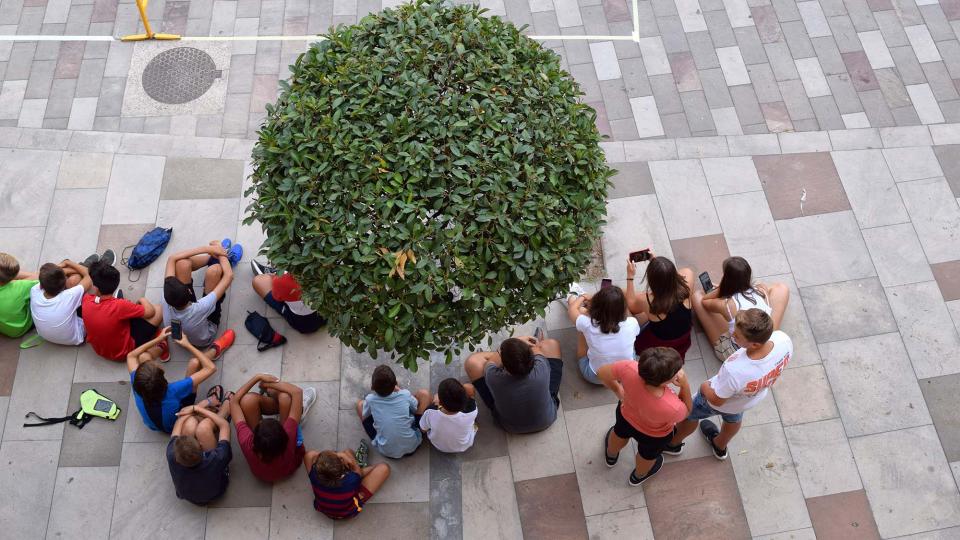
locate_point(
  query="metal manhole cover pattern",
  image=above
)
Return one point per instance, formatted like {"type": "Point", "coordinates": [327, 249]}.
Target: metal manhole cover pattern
{"type": "Point", "coordinates": [179, 75]}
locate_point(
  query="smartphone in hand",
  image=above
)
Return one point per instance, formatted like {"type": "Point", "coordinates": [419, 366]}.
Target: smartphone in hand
{"type": "Point", "coordinates": [176, 329]}
{"type": "Point", "coordinates": [605, 282]}
{"type": "Point", "coordinates": [705, 282]}
{"type": "Point", "coordinates": [538, 334]}
{"type": "Point", "coordinates": [640, 256]}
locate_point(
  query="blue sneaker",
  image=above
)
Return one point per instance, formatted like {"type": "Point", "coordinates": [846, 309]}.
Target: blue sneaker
{"type": "Point", "coordinates": [235, 254]}
{"type": "Point", "coordinates": [226, 243]}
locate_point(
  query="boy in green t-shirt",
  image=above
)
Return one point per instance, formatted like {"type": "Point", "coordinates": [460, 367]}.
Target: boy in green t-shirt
{"type": "Point", "coordinates": [14, 297]}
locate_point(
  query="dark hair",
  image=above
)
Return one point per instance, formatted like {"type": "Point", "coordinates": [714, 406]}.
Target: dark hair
{"type": "Point", "coordinates": [658, 365]}
{"type": "Point", "coordinates": [187, 450]}
{"type": "Point", "coordinates": [608, 307]}
{"type": "Point", "coordinates": [105, 277]}
{"type": "Point", "coordinates": [667, 286]}
{"type": "Point", "coordinates": [269, 439]}
{"type": "Point", "coordinates": [383, 381]}
{"type": "Point", "coordinates": [329, 469]}
{"type": "Point", "coordinates": [150, 382]}
{"type": "Point", "coordinates": [737, 277]}
{"type": "Point", "coordinates": [517, 356]}
{"type": "Point", "coordinates": [52, 279]}
{"type": "Point", "coordinates": [755, 325]}
{"type": "Point", "coordinates": [452, 394]}
{"type": "Point", "coordinates": [176, 293]}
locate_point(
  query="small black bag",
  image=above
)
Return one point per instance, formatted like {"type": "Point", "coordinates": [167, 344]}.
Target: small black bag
{"type": "Point", "coordinates": [260, 327]}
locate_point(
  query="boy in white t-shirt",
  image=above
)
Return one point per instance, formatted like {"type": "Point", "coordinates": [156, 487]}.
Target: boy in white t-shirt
{"type": "Point", "coordinates": [741, 384]}
{"type": "Point", "coordinates": [54, 302]}
{"type": "Point", "coordinates": [450, 423]}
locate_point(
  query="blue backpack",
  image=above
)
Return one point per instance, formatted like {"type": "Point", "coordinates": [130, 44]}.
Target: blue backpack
{"type": "Point", "coordinates": [150, 246]}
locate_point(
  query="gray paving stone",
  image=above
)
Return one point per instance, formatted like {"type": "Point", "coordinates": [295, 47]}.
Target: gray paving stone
{"type": "Point", "coordinates": [75, 488]}
{"type": "Point", "coordinates": [908, 67]}
{"type": "Point", "coordinates": [666, 95]}
{"type": "Point", "coordinates": [715, 88]}
{"type": "Point", "coordinates": [936, 217]}
{"type": "Point", "coordinates": [764, 83]}
{"type": "Point", "coordinates": [828, 55]}
{"type": "Point", "coordinates": [587, 77]}
{"type": "Point", "coordinates": [615, 98]}
{"type": "Point", "coordinates": [799, 43]}
{"type": "Point", "coordinates": [748, 108]}
{"type": "Point", "coordinates": [847, 310]}
{"type": "Point", "coordinates": [844, 237]}
{"type": "Point", "coordinates": [827, 113]}
{"type": "Point", "coordinates": [720, 30]}
{"type": "Point", "coordinates": [20, 61]}
{"type": "Point", "coordinates": [846, 97]}
{"type": "Point", "coordinates": [647, 20]}
{"type": "Point", "coordinates": [664, 8]}
{"type": "Point", "coordinates": [241, 74]}
{"type": "Point", "coordinates": [41, 78]}
{"type": "Point", "coordinates": [90, 79]}
{"type": "Point", "coordinates": [875, 106]}
{"type": "Point", "coordinates": [906, 116]}
{"type": "Point", "coordinates": [861, 15]}
{"type": "Point", "coordinates": [99, 444]}
{"type": "Point", "coordinates": [897, 254]}
{"type": "Point", "coordinates": [949, 157]}
{"type": "Point", "coordinates": [111, 96]}
{"type": "Point", "coordinates": [697, 111]}
{"type": "Point", "coordinates": [844, 34]}
{"type": "Point", "coordinates": [936, 22]}
{"type": "Point", "coordinates": [891, 28]}
{"type": "Point", "coordinates": [578, 51]}
{"type": "Point", "coordinates": [924, 496]}
{"type": "Point", "coordinates": [781, 61]}
{"type": "Point", "coordinates": [750, 46]}
{"type": "Point", "coordinates": [635, 77]}
{"type": "Point", "coordinates": [940, 82]}
{"type": "Point", "coordinates": [928, 333]}
{"type": "Point", "coordinates": [594, 21]}
{"type": "Point", "coordinates": [756, 129]}
{"type": "Point", "coordinates": [32, 466]}
{"type": "Point", "coordinates": [893, 89]}
{"type": "Point", "coordinates": [157, 125]}
{"type": "Point", "coordinates": [702, 48]}
{"type": "Point", "coordinates": [118, 60]}
{"type": "Point", "coordinates": [786, 10]}
{"type": "Point", "coordinates": [675, 125]}
{"type": "Point", "coordinates": [671, 31]}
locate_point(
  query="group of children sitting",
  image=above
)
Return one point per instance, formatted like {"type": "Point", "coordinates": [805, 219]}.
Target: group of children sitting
{"type": "Point", "coordinates": [633, 344]}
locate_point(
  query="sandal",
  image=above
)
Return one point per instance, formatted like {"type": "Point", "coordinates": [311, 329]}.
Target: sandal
{"type": "Point", "coordinates": [215, 392]}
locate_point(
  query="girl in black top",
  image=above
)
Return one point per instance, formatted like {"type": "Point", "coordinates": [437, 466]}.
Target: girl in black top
{"type": "Point", "coordinates": [666, 305]}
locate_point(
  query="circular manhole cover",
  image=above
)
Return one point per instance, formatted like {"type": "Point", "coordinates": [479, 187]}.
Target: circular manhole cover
{"type": "Point", "coordinates": [179, 75]}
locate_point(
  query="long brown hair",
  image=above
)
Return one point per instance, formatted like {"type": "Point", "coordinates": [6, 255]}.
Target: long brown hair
{"type": "Point", "coordinates": [737, 278]}
{"type": "Point", "coordinates": [667, 286]}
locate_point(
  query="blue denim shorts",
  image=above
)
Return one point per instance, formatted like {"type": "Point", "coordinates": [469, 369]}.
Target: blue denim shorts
{"type": "Point", "coordinates": [587, 371]}
{"type": "Point", "coordinates": [702, 409]}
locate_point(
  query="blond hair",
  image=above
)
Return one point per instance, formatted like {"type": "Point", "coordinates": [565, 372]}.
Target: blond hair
{"type": "Point", "coordinates": [9, 268]}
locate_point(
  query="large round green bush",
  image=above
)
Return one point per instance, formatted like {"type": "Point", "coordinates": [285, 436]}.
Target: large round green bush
{"type": "Point", "coordinates": [429, 176]}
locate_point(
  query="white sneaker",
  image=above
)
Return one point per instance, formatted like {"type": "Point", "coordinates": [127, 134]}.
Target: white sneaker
{"type": "Point", "coordinates": [309, 398]}
{"type": "Point", "coordinates": [575, 290]}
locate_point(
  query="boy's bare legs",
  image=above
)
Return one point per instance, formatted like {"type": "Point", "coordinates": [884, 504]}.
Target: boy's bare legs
{"type": "Point", "coordinates": [471, 391]}
{"type": "Point", "coordinates": [550, 348]}
{"type": "Point", "coordinates": [359, 409]}
{"type": "Point", "coordinates": [185, 267]}
{"type": "Point", "coordinates": [263, 284]}
{"type": "Point", "coordinates": [475, 362]}
{"type": "Point", "coordinates": [250, 404]}
{"type": "Point", "coordinates": [778, 296]}
{"type": "Point", "coordinates": [423, 400]}
{"type": "Point", "coordinates": [207, 432]}
{"type": "Point", "coordinates": [714, 325]}
{"type": "Point", "coordinates": [643, 466]}
{"type": "Point", "coordinates": [374, 476]}
{"type": "Point", "coordinates": [727, 432]}
{"type": "Point", "coordinates": [683, 430]}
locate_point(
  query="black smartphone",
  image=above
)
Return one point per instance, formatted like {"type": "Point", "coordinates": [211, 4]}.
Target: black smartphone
{"type": "Point", "coordinates": [176, 330]}
{"type": "Point", "coordinates": [640, 256]}
{"type": "Point", "coordinates": [538, 334]}
{"type": "Point", "coordinates": [705, 282]}
{"type": "Point", "coordinates": [605, 282]}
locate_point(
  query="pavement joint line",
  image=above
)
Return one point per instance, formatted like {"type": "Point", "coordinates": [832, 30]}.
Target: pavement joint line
{"type": "Point", "coordinates": [633, 37]}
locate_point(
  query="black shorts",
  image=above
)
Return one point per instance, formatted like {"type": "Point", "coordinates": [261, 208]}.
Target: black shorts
{"type": "Point", "coordinates": [556, 375]}
{"type": "Point", "coordinates": [648, 447]}
{"type": "Point", "coordinates": [141, 331]}
{"type": "Point", "coordinates": [305, 324]}
{"type": "Point", "coordinates": [213, 317]}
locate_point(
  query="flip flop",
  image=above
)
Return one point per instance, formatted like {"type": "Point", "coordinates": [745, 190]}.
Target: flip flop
{"type": "Point", "coordinates": [215, 391]}
{"type": "Point", "coordinates": [31, 341]}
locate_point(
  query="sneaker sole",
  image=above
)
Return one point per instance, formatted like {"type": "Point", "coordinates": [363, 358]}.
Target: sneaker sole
{"type": "Point", "coordinates": [673, 453]}
{"type": "Point", "coordinates": [713, 448]}
{"type": "Point", "coordinates": [605, 438]}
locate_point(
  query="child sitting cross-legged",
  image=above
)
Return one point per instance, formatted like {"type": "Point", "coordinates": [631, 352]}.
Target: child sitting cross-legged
{"type": "Point", "coordinates": [199, 452]}
{"type": "Point", "coordinates": [340, 485]}
{"type": "Point", "coordinates": [391, 415]}
{"type": "Point", "coordinates": [450, 423]}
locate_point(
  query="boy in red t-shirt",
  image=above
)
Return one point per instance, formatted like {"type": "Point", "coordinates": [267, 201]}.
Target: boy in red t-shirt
{"type": "Point", "coordinates": [283, 294]}
{"type": "Point", "coordinates": [648, 410]}
{"type": "Point", "coordinates": [116, 326]}
{"type": "Point", "coordinates": [273, 446]}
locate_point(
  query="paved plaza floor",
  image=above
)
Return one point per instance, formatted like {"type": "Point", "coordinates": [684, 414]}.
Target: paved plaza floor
{"type": "Point", "coordinates": [742, 106]}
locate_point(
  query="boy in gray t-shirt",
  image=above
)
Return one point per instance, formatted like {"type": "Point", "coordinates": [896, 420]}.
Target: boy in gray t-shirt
{"type": "Point", "coordinates": [519, 383]}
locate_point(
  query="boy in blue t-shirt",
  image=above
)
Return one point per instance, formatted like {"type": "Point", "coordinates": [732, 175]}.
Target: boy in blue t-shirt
{"type": "Point", "coordinates": [158, 400]}
{"type": "Point", "coordinates": [391, 416]}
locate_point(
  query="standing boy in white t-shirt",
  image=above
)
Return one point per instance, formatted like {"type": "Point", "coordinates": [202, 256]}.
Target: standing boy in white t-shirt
{"type": "Point", "coordinates": [741, 384]}
{"type": "Point", "coordinates": [54, 302]}
{"type": "Point", "coordinates": [450, 423]}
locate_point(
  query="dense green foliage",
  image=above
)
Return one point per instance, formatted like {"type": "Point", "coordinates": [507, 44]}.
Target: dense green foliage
{"type": "Point", "coordinates": [429, 176]}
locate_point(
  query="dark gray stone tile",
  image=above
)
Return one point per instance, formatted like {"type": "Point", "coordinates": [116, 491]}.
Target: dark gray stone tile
{"type": "Point", "coordinates": [715, 88]}
{"type": "Point", "coordinates": [781, 61]}
{"type": "Point", "coordinates": [940, 394]}
{"type": "Point", "coordinates": [908, 66]}
{"type": "Point", "coordinates": [949, 156]}
{"type": "Point", "coordinates": [702, 48]}
{"type": "Point", "coordinates": [665, 92]}
{"type": "Point", "coordinates": [720, 29]}
{"type": "Point", "coordinates": [844, 34]}
{"type": "Point", "coordinates": [764, 83]}
{"type": "Point", "coordinates": [631, 179]}
{"type": "Point", "coordinates": [891, 29]}
{"type": "Point", "coordinates": [861, 15]}
{"type": "Point", "coordinates": [671, 32]}
{"type": "Point", "coordinates": [615, 99]}
{"type": "Point", "coordinates": [845, 95]}
{"type": "Point", "coordinates": [876, 108]}
{"type": "Point", "coordinates": [624, 130]}
{"type": "Point", "coordinates": [634, 75]}
{"type": "Point", "coordinates": [825, 109]}
{"type": "Point", "coordinates": [111, 96]}
{"type": "Point", "coordinates": [798, 41]}
{"type": "Point", "coordinates": [786, 10]}
{"type": "Point", "coordinates": [675, 125]}
{"type": "Point", "coordinates": [697, 111]}
{"type": "Point", "coordinates": [750, 47]}
{"type": "Point", "coordinates": [941, 84]}
{"type": "Point", "coordinates": [748, 108]}
{"type": "Point", "coordinates": [100, 442]}
{"type": "Point", "coordinates": [906, 116]}
{"type": "Point", "coordinates": [829, 55]}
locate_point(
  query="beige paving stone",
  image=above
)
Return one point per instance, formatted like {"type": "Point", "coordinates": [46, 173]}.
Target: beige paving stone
{"type": "Point", "coordinates": [920, 495]}
{"type": "Point", "coordinates": [874, 385]}
{"type": "Point", "coordinates": [797, 325]}
{"type": "Point", "coordinates": [32, 467]}
{"type": "Point", "coordinates": [238, 524]}
{"type": "Point", "coordinates": [803, 395]}
{"type": "Point", "coordinates": [489, 500]}
{"type": "Point", "coordinates": [870, 187]}
{"type": "Point", "coordinates": [931, 340]}
{"type": "Point", "coordinates": [545, 453]}
{"type": "Point", "coordinates": [632, 223]}
{"type": "Point", "coordinates": [134, 190]}
{"type": "Point", "coordinates": [74, 224]}
{"type": "Point", "coordinates": [824, 461]}
{"type": "Point", "coordinates": [292, 516]}
{"type": "Point", "coordinates": [729, 175]}
{"type": "Point", "coordinates": [84, 170]}
{"type": "Point", "coordinates": [936, 217]}
{"type": "Point", "coordinates": [684, 198]}
{"type": "Point", "coordinates": [24, 243]}
{"type": "Point", "coordinates": [751, 233]}
{"type": "Point", "coordinates": [42, 384]}
{"type": "Point", "coordinates": [912, 163]}
{"type": "Point", "coordinates": [897, 254]}
{"type": "Point", "coordinates": [75, 488]}
{"type": "Point", "coordinates": [36, 168]}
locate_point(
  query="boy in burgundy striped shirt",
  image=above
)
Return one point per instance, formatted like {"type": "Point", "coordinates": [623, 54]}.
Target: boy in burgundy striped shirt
{"type": "Point", "coordinates": [340, 486]}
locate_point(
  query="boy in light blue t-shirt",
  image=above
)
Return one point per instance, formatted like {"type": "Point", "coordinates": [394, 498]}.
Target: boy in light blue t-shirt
{"type": "Point", "coordinates": [391, 416]}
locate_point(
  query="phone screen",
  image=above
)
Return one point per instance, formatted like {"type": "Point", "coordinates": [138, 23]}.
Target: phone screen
{"type": "Point", "coordinates": [538, 334]}
{"type": "Point", "coordinates": [705, 282]}
{"type": "Point", "coordinates": [103, 406]}
{"type": "Point", "coordinates": [176, 330]}
{"type": "Point", "coordinates": [640, 256]}
{"type": "Point", "coordinates": [606, 282]}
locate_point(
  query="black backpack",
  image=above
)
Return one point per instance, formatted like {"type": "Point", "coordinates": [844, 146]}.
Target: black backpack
{"type": "Point", "coordinates": [260, 327]}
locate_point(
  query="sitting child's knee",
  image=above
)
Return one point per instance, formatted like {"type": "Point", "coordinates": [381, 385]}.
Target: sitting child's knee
{"type": "Point", "coordinates": [250, 400]}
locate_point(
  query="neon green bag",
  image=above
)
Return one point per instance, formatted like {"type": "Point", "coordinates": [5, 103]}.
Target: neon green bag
{"type": "Point", "coordinates": [92, 404]}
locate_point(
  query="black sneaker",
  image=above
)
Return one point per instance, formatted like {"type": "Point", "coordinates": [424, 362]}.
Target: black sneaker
{"type": "Point", "coordinates": [260, 268]}
{"type": "Point", "coordinates": [634, 480]}
{"type": "Point", "coordinates": [108, 257]}
{"type": "Point", "coordinates": [88, 262]}
{"type": "Point", "coordinates": [710, 432]}
{"type": "Point", "coordinates": [611, 461]}
{"type": "Point", "coordinates": [671, 450]}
